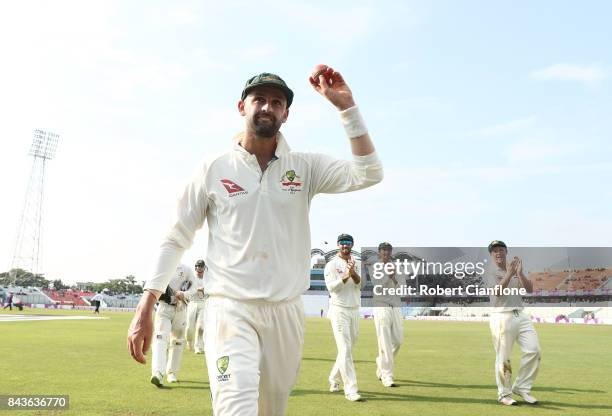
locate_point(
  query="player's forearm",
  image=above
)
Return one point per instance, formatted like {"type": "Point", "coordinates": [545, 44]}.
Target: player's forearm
{"type": "Point", "coordinates": [148, 300]}
{"type": "Point", "coordinates": [527, 284]}
{"type": "Point", "coordinates": [362, 145]}
{"type": "Point", "coordinates": [334, 286]}
{"type": "Point", "coordinates": [356, 130]}
{"type": "Point", "coordinates": [506, 280]}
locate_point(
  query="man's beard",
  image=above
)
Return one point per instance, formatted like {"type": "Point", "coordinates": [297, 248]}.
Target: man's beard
{"type": "Point", "coordinates": [263, 129]}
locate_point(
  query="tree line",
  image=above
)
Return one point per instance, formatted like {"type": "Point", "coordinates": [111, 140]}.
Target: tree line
{"type": "Point", "coordinates": [24, 278]}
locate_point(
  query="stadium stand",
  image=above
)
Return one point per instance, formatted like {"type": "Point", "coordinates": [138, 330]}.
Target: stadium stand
{"type": "Point", "coordinates": [121, 301]}
{"type": "Point", "coordinates": [548, 280]}
{"type": "Point", "coordinates": [588, 279]}
{"type": "Point", "coordinates": [68, 297]}
{"type": "Point", "coordinates": [28, 295]}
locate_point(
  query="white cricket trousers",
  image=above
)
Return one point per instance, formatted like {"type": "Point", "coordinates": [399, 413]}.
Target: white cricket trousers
{"type": "Point", "coordinates": [168, 338]}
{"type": "Point", "coordinates": [506, 328]}
{"type": "Point", "coordinates": [253, 353]}
{"type": "Point", "coordinates": [390, 334]}
{"type": "Point", "coordinates": [345, 326]}
{"type": "Point", "coordinates": [195, 325]}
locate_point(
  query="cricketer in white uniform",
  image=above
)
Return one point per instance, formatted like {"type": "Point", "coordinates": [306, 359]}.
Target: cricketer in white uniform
{"type": "Point", "coordinates": [510, 324]}
{"type": "Point", "coordinates": [387, 317]}
{"type": "Point", "coordinates": [344, 285]}
{"type": "Point", "coordinates": [170, 319]}
{"type": "Point", "coordinates": [195, 312]}
{"type": "Point", "coordinates": [256, 199]}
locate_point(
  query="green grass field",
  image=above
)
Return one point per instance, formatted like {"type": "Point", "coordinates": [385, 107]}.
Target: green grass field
{"type": "Point", "coordinates": [444, 368]}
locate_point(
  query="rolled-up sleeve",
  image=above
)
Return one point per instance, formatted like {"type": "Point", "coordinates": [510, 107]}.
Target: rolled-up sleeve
{"type": "Point", "coordinates": [190, 217]}
{"type": "Point", "coordinates": [331, 175]}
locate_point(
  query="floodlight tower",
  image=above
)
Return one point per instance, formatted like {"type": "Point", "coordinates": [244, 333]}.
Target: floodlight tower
{"type": "Point", "coordinates": [27, 254]}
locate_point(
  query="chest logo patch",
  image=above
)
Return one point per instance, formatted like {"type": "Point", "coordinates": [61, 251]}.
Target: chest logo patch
{"type": "Point", "coordinates": [233, 189]}
{"type": "Point", "coordinates": [290, 182]}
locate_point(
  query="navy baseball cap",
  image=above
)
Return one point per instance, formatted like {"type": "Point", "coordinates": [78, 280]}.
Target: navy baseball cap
{"type": "Point", "coordinates": [385, 246]}
{"type": "Point", "coordinates": [270, 80]}
{"type": "Point", "coordinates": [345, 237]}
{"type": "Point", "coordinates": [497, 243]}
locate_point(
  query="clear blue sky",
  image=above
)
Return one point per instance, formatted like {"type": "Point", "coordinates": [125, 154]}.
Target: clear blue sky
{"type": "Point", "coordinates": [492, 117]}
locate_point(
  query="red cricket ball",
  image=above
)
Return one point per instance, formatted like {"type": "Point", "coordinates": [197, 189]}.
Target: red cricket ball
{"type": "Point", "coordinates": [318, 70]}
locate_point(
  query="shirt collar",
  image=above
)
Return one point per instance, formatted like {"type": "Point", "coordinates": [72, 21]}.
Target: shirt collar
{"type": "Point", "coordinates": [282, 148]}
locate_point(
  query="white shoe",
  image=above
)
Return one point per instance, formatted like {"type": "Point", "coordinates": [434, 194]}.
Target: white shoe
{"type": "Point", "coordinates": [388, 382]}
{"type": "Point", "coordinates": [527, 397]}
{"type": "Point", "coordinates": [334, 387]}
{"type": "Point", "coordinates": [353, 397]}
{"type": "Point", "coordinates": [157, 380]}
{"type": "Point", "coordinates": [508, 401]}
{"type": "Point", "coordinates": [199, 351]}
{"type": "Point", "coordinates": [171, 378]}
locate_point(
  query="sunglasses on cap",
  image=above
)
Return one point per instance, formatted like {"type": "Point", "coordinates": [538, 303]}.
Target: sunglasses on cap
{"type": "Point", "coordinates": [345, 242]}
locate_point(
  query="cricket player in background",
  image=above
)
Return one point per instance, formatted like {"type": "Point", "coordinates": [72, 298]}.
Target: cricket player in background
{"type": "Point", "coordinates": [387, 317]}
{"type": "Point", "coordinates": [510, 324]}
{"type": "Point", "coordinates": [256, 198]}
{"type": "Point", "coordinates": [195, 312]}
{"type": "Point", "coordinates": [170, 320]}
{"type": "Point", "coordinates": [344, 284]}
{"type": "Point", "coordinates": [97, 301]}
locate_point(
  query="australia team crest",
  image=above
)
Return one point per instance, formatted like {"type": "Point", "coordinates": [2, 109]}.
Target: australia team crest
{"type": "Point", "coordinates": [290, 182]}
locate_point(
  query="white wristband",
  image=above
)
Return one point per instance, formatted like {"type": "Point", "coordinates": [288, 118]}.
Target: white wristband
{"type": "Point", "coordinates": [353, 122]}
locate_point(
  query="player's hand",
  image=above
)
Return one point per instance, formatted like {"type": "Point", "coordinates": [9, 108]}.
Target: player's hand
{"type": "Point", "coordinates": [331, 85]}
{"type": "Point", "coordinates": [513, 265]}
{"type": "Point", "coordinates": [351, 266]}
{"type": "Point", "coordinates": [180, 296]}
{"type": "Point", "coordinates": [140, 332]}
{"type": "Point", "coordinates": [519, 266]}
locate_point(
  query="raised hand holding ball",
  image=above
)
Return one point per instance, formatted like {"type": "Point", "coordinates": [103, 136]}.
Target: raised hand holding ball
{"type": "Point", "coordinates": [330, 84]}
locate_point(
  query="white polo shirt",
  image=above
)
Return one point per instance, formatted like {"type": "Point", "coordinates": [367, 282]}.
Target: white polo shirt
{"type": "Point", "coordinates": [503, 303]}
{"type": "Point", "coordinates": [259, 231]}
{"type": "Point", "coordinates": [346, 295]}
{"type": "Point", "coordinates": [197, 295]}
{"type": "Point", "coordinates": [385, 282]}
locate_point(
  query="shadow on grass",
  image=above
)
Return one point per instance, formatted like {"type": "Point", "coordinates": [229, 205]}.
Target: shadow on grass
{"type": "Point", "coordinates": [566, 390]}
{"type": "Point", "coordinates": [395, 397]}
{"type": "Point", "coordinates": [193, 382]}
{"type": "Point", "coordinates": [191, 385]}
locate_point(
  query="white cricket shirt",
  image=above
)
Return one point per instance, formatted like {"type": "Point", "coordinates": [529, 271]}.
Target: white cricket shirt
{"type": "Point", "coordinates": [385, 282]}
{"type": "Point", "coordinates": [503, 303]}
{"type": "Point", "coordinates": [198, 296]}
{"type": "Point", "coordinates": [259, 231]}
{"type": "Point", "coordinates": [346, 295]}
